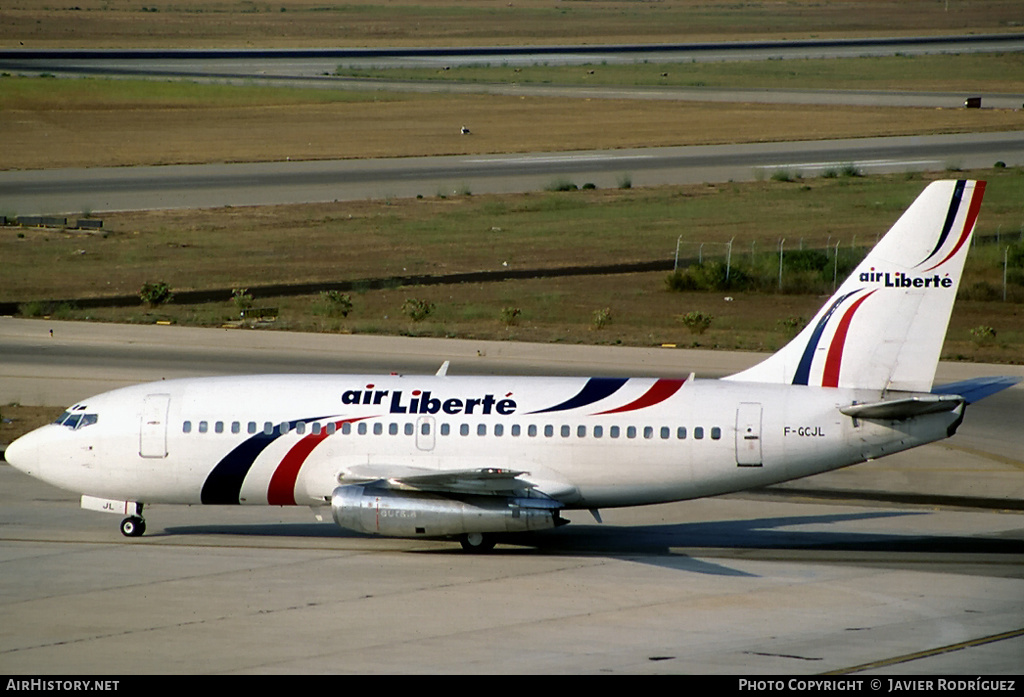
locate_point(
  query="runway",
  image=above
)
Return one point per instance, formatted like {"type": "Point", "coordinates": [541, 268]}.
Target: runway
{"type": "Point", "coordinates": [203, 186]}
{"type": "Point", "coordinates": [780, 582]}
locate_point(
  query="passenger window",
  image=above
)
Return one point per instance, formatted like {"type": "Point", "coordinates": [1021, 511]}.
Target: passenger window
{"type": "Point", "coordinates": [332, 428]}
{"type": "Point", "coordinates": [499, 430]}
{"type": "Point", "coordinates": [581, 431]}
{"type": "Point", "coordinates": [549, 430]}
{"type": "Point", "coordinates": [316, 429]}
{"type": "Point", "coordinates": [409, 429]}
{"type": "Point", "coordinates": [564, 430]}
{"type": "Point", "coordinates": [203, 427]}
{"type": "Point", "coordinates": [698, 432]}
{"type": "Point", "coordinates": [648, 432]}
{"type": "Point", "coordinates": [186, 427]}
{"type": "Point", "coordinates": [219, 427]}
{"type": "Point", "coordinates": [378, 429]}
{"type": "Point", "coordinates": [361, 428]}
{"type": "Point", "coordinates": [613, 431]}
{"type": "Point", "coordinates": [425, 428]}
{"type": "Point", "coordinates": [531, 430]}
{"type": "Point", "coordinates": [464, 429]}
{"type": "Point", "coordinates": [631, 432]}
{"type": "Point", "coordinates": [516, 430]}
{"type": "Point", "coordinates": [665, 432]}
{"type": "Point", "coordinates": [445, 429]}
{"type": "Point", "coordinates": [393, 429]}
{"type": "Point", "coordinates": [481, 429]}
{"type": "Point", "coordinates": [716, 433]}
{"type": "Point", "coordinates": [300, 427]}
{"type": "Point", "coordinates": [598, 431]}
{"type": "Point", "coordinates": [252, 427]}
{"type": "Point", "coordinates": [346, 428]}
{"type": "Point", "coordinates": [681, 433]}
{"type": "Point", "coordinates": [236, 427]}
{"type": "Point", "coordinates": [268, 428]}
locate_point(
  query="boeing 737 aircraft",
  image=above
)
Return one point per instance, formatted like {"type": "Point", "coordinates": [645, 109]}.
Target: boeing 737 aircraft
{"type": "Point", "coordinates": [474, 457]}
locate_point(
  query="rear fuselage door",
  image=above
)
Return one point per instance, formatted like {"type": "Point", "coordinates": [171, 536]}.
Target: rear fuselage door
{"type": "Point", "coordinates": [748, 435]}
{"type": "Point", "coordinates": [153, 425]}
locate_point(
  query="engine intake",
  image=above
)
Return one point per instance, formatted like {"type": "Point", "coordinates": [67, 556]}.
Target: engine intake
{"type": "Point", "coordinates": [379, 511]}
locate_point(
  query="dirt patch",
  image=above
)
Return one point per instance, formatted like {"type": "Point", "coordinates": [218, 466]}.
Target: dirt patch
{"type": "Point", "coordinates": [301, 23]}
{"type": "Point", "coordinates": [17, 420]}
{"type": "Point", "coordinates": [423, 126]}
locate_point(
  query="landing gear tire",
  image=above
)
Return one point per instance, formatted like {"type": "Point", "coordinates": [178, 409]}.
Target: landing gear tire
{"type": "Point", "coordinates": [133, 527]}
{"type": "Point", "coordinates": [477, 542]}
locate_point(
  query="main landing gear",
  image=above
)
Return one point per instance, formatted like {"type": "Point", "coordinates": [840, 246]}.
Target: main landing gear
{"type": "Point", "coordinates": [477, 542]}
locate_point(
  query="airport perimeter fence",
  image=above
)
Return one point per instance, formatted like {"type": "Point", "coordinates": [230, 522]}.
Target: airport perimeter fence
{"type": "Point", "coordinates": [796, 266]}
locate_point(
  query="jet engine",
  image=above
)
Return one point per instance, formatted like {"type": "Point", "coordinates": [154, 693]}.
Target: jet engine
{"type": "Point", "coordinates": [379, 511]}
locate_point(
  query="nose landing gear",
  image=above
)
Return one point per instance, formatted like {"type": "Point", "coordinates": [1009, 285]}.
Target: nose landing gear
{"type": "Point", "coordinates": [133, 526]}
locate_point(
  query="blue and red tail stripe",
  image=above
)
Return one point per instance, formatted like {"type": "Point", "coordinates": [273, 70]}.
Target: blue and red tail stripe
{"type": "Point", "coordinates": [972, 216]}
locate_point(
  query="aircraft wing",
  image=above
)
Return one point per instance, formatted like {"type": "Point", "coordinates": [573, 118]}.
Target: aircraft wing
{"type": "Point", "coordinates": [977, 389]}
{"type": "Point", "coordinates": [486, 480]}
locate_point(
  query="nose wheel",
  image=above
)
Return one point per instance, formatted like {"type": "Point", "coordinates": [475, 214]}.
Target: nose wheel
{"type": "Point", "coordinates": [133, 526]}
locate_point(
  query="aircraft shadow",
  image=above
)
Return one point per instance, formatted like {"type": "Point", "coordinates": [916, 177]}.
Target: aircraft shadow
{"type": "Point", "coordinates": [661, 544]}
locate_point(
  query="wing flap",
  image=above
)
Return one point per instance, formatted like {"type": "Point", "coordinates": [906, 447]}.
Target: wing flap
{"type": "Point", "coordinates": [899, 409]}
{"type": "Point", "coordinates": [484, 480]}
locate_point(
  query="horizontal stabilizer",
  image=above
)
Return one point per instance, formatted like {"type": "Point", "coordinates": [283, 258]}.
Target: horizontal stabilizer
{"type": "Point", "coordinates": [976, 389]}
{"type": "Point", "coordinates": [898, 409]}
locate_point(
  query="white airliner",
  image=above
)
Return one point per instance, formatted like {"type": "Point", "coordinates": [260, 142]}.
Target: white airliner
{"type": "Point", "coordinates": [474, 457]}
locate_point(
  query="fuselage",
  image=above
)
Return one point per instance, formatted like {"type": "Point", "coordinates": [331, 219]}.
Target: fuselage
{"type": "Point", "coordinates": [586, 443]}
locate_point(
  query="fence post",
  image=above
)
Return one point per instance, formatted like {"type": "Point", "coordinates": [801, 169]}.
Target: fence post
{"type": "Point", "coordinates": [782, 243]}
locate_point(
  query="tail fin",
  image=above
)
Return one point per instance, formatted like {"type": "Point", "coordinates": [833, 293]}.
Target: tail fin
{"type": "Point", "coordinates": [884, 327]}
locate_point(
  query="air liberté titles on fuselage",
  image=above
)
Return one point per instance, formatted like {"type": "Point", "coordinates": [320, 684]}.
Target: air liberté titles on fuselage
{"type": "Point", "coordinates": [423, 402]}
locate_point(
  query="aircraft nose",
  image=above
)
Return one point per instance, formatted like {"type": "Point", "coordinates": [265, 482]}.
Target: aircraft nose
{"type": "Point", "coordinates": [23, 453]}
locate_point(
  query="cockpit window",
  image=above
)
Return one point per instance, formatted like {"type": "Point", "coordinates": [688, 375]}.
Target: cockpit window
{"type": "Point", "coordinates": [76, 420]}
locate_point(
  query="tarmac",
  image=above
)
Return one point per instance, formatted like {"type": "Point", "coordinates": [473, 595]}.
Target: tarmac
{"type": "Point", "coordinates": [828, 574]}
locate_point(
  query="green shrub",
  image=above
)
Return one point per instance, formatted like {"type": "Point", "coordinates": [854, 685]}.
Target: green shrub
{"type": "Point", "coordinates": [416, 309]}
{"type": "Point", "coordinates": [333, 303]}
{"type": "Point", "coordinates": [697, 322]}
{"type": "Point", "coordinates": [510, 315]}
{"type": "Point", "coordinates": [601, 318]}
{"type": "Point", "coordinates": [1015, 256]}
{"type": "Point", "coordinates": [791, 326]}
{"type": "Point", "coordinates": [983, 334]}
{"type": "Point", "coordinates": [711, 275]}
{"type": "Point", "coordinates": [155, 293]}
{"type": "Point", "coordinates": [241, 298]}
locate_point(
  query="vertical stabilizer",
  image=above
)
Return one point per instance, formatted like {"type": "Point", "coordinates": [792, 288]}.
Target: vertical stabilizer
{"type": "Point", "coordinates": [884, 327]}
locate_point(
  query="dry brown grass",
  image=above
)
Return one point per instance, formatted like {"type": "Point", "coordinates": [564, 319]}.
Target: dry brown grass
{"type": "Point", "coordinates": [425, 125]}
{"type": "Point", "coordinates": [299, 23]}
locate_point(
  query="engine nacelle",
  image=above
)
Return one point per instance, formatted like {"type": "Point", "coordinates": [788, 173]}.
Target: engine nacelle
{"type": "Point", "coordinates": [380, 511]}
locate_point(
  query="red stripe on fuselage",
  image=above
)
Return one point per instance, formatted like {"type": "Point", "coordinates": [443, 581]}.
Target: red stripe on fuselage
{"type": "Point", "coordinates": [281, 491]}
